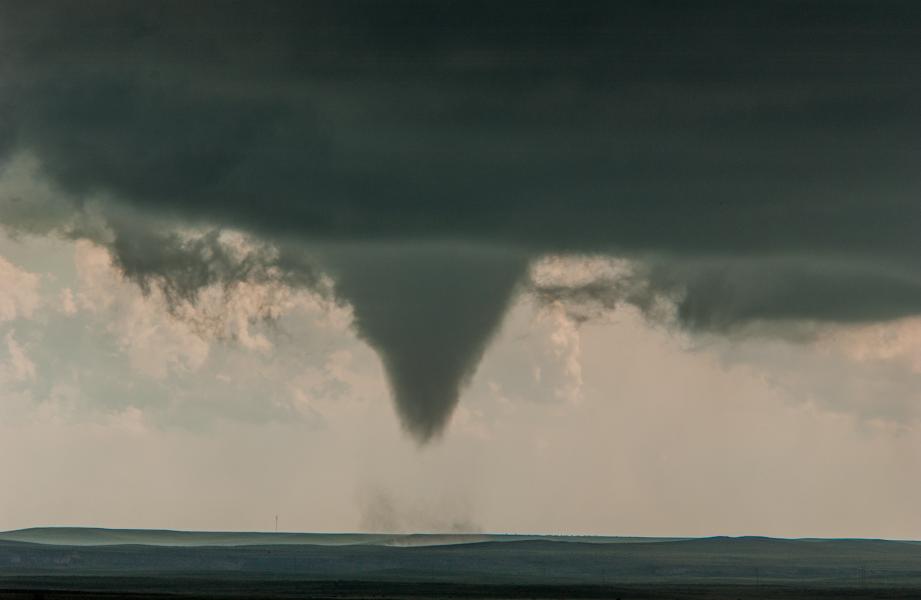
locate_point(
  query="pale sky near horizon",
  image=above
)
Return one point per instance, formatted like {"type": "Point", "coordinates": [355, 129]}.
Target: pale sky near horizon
{"type": "Point", "coordinates": [625, 268]}
{"type": "Point", "coordinates": [115, 414]}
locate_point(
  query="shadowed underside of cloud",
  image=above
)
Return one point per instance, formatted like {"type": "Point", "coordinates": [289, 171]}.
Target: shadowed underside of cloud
{"type": "Point", "coordinates": [757, 163]}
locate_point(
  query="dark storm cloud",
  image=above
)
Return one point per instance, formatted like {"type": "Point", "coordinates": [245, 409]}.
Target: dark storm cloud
{"type": "Point", "coordinates": [789, 126]}
{"type": "Point", "coordinates": [759, 159]}
{"type": "Point", "coordinates": [181, 266]}
{"type": "Point", "coordinates": [719, 294]}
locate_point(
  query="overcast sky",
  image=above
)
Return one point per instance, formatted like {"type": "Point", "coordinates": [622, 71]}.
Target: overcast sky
{"type": "Point", "coordinates": [638, 269]}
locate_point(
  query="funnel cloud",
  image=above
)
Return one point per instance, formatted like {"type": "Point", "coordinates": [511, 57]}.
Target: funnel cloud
{"type": "Point", "coordinates": [429, 313]}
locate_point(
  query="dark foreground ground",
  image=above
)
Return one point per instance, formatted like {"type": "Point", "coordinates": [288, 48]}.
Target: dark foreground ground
{"type": "Point", "coordinates": [143, 565]}
{"type": "Point", "coordinates": [107, 588]}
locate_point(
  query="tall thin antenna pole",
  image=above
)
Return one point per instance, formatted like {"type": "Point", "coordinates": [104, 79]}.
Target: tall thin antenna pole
{"type": "Point", "coordinates": [276, 523]}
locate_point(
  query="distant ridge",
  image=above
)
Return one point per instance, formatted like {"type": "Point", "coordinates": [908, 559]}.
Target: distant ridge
{"type": "Point", "coordinates": [456, 558]}
{"type": "Point", "coordinates": [98, 536]}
